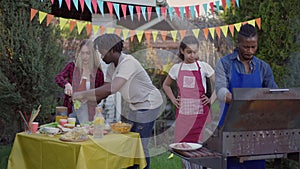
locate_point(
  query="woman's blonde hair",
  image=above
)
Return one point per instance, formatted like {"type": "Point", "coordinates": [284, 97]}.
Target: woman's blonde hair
{"type": "Point", "coordinates": [94, 59]}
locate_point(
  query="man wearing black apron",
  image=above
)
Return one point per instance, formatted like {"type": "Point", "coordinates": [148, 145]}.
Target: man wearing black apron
{"type": "Point", "coordinates": [242, 69]}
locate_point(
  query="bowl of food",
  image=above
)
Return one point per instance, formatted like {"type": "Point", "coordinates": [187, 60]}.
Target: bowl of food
{"type": "Point", "coordinates": [51, 130]}
{"type": "Point", "coordinates": [120, 127]}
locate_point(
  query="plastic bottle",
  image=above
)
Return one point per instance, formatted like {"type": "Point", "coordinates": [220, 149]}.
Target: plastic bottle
{"type": "Point", "coordinates": [99, 124]}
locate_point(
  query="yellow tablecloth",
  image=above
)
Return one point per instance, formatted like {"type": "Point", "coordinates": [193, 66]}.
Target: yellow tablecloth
{"type": "Point", "coordinates": [113, 151]}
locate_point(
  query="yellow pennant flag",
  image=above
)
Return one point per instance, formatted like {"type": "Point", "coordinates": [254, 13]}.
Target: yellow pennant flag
{"type": "Point", "coordinates": [80, 26]}
{"type": "Point", "coordinates": [252, 22]}
{"type": "Point", "coordinates": [212, 32]}
{"type": "Point", "coordinates": [154, 35]}
{"type": "Point", "coordinates": [125, 33]}
{"type": "Point", "coordinates": [174, 35]}
{"type": "Point", "coordinates": [238, 26]}
{"type": "Point", "coordinates": [95, 29]}
{"type": "Point", "coordinates": [139, 34]}
{"type": "Point", "coordinates": [110, 30]}
{"type": "Point", "coordinates": [224, 30]}
{"type": "Point", "coordinates": [62, 22]}
{"type": "Point", "coordinates": [42, 16]}
{"type": "Point", "coordinates": [196, 32]}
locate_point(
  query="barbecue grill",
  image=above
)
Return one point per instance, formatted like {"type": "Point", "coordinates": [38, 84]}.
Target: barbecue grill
{"type": "Point", "coordinates": [261, 123]}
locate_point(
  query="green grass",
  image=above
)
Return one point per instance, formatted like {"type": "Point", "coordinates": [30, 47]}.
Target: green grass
{"type": "Point", "coordinates": [4, 154]}
{"type": "Point", "coordinates": [163, 162]}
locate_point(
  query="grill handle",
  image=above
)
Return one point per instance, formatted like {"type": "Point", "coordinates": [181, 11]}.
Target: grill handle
{"type": "Point", "coordinates": [279, 90]}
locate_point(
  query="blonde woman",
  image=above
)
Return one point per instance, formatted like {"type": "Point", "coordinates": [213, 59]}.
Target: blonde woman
{"type": "Point", "coordinates": [82, 74]}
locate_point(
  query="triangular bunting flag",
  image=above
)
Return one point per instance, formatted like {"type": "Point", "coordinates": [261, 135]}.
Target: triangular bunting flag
{"type": "Point", "coordinates": [177, 12]}
{"type": "Point", "coordinates": [171, 11]}
{"type": "Point", "coordinates": [62, 22]}
{"type": "Point", "coordinates": [196, 32]}
{"type": "Point", "coordinates": [49, 19]}
{"type": "Point", "coordinates": [218, 5]}
{"type": "Point", "coordinates": [237, 3]}
{"type": "Point", "coordinates": [205, 8]}
{"type": "Point", "coordinates": [95, 29]}
{"type": "Point", "coordinates": [218, 32]}
{"type": "Point", "coordinates": [110, 8]}
{"type": "Point", "coordinates": [80, 26]}
{"type": "Point", "coordinates": [238, 26]}
{"type": "Point", "coordinates": [144, 12]}
{"type": "Point", "coordinates": [117, 10]}
{"type": "Point", "coordinates": [42, 16]}
{"type": "Point", "coordinates": [32, 13]}
{"type": "Point", "coordinates": [252, 22]}
{"type": "Point", "coordinates": [231, 28]}
{"type": "Point", "coordinates": [197, 7]}
{"type": "Point", "coordinates": [154, 35]}
{"type": "Point", "coordinates": [182, 33]}
{"type": "Point", "coordinates": [174, 35]}
{"type": "Point", "coordinates": [94, 3]}
{"type": "Point", "coordinates": [147, 36]}
{"type": "Point", "coordinates": [68, 2]}
{"type": "Point", "coordinates": [205, 31]}
{"type": "Point", "coordinates": [164, 12]}
{"type": "Point", "coordinates": [131, 11]}
{"type": "Point", "coordinates": [72, 25]}
{"type": "Point", "coordinates": [89, 5]}
{"type": "Point", "coordinates": [224, 4]}
{"type": "Point", "coordinates": [192, 11]}
{"type": "Point", "coordinates": [132, 33]}
{"type": "Point", "coordinates": [224, 30]}
{"type": "Point", "coordinates": [124, 10]}
{"type": "Point", "coordinates": [101, 6]}
{"type": "Point", "coordinates": [149, 11]}
{"type": "Point", "coordinates": [258, 22]}
{"type": "Point", "coordinates": [110, 30]}
{"type": "Point", "coordinates": [139, 34]}
{"type": "Point", "coordinates": [75, 2]}
{"type": "Point", "coordinates": [187, 12]}
{"type": "Point", "coordinates": [181, 9]}
{"type": "Point", "coordinates": [88, 28]}
{"type": "Point", "coordinates": [157, 9]}
{"type": "Point", "coordinates": [138, 12]}
{"type": "Point", "coordinates": [212, 32]}
{"type": "Point", "coordinates": [59, 3]}
{"type": "Point", "coordinates": [125, 33]}
{"type": "Point", "coordinates": [212, 7]}
{"type": "Point", "coordinates": [228, 3]}
{"type": "Point", "coordinates": [118, 31]}
{"type": "Point", "coordinates": [82, 5]}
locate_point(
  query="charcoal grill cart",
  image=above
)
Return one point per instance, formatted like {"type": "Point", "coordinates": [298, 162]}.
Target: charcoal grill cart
{"type": "Point", "coordinates": [261, 123]}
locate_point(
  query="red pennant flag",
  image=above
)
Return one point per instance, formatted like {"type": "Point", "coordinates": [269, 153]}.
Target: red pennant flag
{"type": "Point", "coordinates": [124, 9]}
{"type": "Point", "coordinates": [224, 4]}
{"type": "Point", "coordinates": [218, 31]}
{"type": "Point", "coordinates": [177, 11]}
{"type": "Point", "coordinates": [68, 2]}
{"type": "Point", "coordinates": [138, 12]}
{"type": "Point", "coordinates": [88, 28]}
{"type": "Point", "coordinates": [205, 31]}
{"type": "Point", "coordinates": [163, 35]}
{"type": "Point", "coordinates": [148, 35]}
{"type": "Point", "coordinates": [72, 25]}
{"type": "Point", "coordinates": [212, 7]}
{"type": "Point", "coordinates": [49, 19]}
{"type": "Point", "coordinates": [94, 3]}
{"type": "Point", "coordinates": [110, 8]}
{"type": "Point", "coordinates": [52, 1]}
{"type": "Point", "coordinates": [149, 11]}
{"type": "Point", "coordinates": [258, 22]}
{"type": "Point", "coordinates": [233, 2]}
{"type": "Point", "coordinates": [187, 11]}
{"type": "Point", "coordinates": [164, 12]}
{"type": "Point", "coordinates": [32, 13]}
{"type": "Point", "coordinates": [132, 33]}
{"type": "Point", "coordinates": [82, 5]}
{"type": "Point", "coordinates": [198, 9]}
{"type": "Point", "coordinates": [231, 28]}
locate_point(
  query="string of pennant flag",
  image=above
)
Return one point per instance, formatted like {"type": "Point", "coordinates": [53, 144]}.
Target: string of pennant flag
{"type": "Point", "coordinates": [96, 6]}
{"type": "Point", "coordinates": [89, 27]}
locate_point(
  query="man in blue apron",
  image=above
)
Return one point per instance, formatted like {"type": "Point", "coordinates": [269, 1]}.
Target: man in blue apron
{"type": "Point", "coordinates": [242, 69]}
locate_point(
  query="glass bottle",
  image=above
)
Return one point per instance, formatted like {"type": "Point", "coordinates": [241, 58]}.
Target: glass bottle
{"type": "Point", "coordinates": [99, 124]}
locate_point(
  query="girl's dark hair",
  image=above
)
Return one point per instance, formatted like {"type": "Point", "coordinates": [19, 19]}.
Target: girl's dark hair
{"type": "Point", "coordinates": [247, 31]}
{"type": "Point", "coordinates": [109, 42]}
{"type": "Point", "coordinates": [187, 40]}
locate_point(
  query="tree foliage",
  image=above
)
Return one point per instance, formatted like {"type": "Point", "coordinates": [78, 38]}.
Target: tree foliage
{"type": "Point", "coordinates": [30, 56]}
{"type": "Point", "coordinates": [278, 34]}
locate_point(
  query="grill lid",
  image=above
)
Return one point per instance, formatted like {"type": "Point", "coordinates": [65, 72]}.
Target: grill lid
{"type": "Point", "coordinates": [255, 109]}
